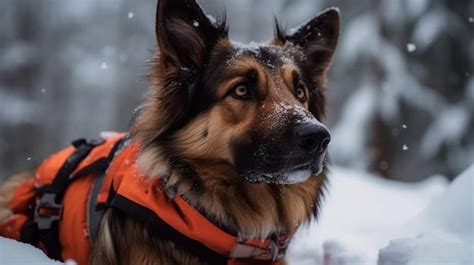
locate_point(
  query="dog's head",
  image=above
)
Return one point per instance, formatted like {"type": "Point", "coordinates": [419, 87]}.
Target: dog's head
{"type": "Point", "coordinates": [237, 111]}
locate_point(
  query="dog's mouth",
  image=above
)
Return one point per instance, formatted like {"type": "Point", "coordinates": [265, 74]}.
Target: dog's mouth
{"type": "Point", "coordinates": [296, 174]}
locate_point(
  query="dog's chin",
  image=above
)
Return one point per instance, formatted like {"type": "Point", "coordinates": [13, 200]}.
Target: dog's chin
{"type": "Point", "coordinates": [284, 178]}
{"type": "Point", "coordinates": [287, 175]}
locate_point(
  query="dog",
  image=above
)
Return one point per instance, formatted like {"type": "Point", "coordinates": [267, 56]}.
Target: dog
{"type": "Point", "coordinates": [231, 132]}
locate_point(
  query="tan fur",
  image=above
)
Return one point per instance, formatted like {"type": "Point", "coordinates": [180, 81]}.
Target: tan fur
{"type": "Point", "coordinates": [122, 240]}
{"type": "Point", "coordinates": [7, 189]}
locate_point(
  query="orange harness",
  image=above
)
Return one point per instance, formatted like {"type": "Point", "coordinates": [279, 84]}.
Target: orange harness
{"type": "Point", "coordinates": [60, 209]}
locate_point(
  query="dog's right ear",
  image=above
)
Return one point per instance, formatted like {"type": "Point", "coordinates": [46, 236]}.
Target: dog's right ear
{"type": "Point", "coordinates": [318, 38]}
{"type": "Point", "coordinates": [185, 34]}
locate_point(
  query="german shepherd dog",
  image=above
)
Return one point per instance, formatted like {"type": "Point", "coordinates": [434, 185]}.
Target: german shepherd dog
{"type": "Point", "coordinates": [234, 129]}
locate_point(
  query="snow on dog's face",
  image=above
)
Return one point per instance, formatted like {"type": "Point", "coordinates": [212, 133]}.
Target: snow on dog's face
{"type": "Point", "coordinates": [283, 141]}
{"type": "Point", "coordinates": [238, 111]}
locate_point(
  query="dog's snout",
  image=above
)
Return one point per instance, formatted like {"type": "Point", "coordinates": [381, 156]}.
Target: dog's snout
{"type": "Point", "coordinates": [312, 138]}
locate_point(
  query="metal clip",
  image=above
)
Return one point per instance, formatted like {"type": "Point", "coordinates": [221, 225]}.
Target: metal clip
{"type": "Point", "coordinates": [53, 211]}
{"type": "Point", "coordinates": [277, 247]}
{"type": "Point", "coordinates": [274, 250]}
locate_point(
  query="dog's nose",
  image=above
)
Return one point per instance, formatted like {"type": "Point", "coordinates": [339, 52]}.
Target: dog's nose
{"type": "Point", "coordinates": [312, 138]}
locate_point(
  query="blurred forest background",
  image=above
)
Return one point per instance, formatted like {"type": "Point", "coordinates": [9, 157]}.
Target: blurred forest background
{"type": "Point", "coordinates": [401, 89]}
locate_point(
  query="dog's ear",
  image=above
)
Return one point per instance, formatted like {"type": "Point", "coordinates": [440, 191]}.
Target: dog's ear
{"type": "Point", "coordinates": [185, 34]}
{"type": "Point", "coordinates": [318, 38]}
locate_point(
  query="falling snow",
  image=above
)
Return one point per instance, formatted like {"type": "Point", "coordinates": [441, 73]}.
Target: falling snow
{"type": "Point", "coordinates": [404, 147]}
{"type": "Point", "coordinates": [130, 15]}
{"type": "Point", "coordinates": [104, 66]}
{"type": "Point", "coordinates": [411, 47]}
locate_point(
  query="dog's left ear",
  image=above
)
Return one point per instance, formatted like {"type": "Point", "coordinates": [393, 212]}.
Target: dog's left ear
{"type": "Point", "coordinates": [318, 38]}
{"type": "Point", "coordinates": [185, 34]}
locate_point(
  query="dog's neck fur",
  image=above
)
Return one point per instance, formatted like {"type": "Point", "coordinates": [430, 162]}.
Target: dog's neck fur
{"type": "Point", "coordinates": [249, 210]}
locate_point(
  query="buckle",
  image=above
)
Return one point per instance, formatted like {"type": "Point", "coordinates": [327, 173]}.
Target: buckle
{"type": "Point", "coordinates": [82, 141]}
{"type": "Point", "coordinates": [47, 211]}
{"type": "Point", "coordinates": [78, 142]}
{"type": "Point", "coordinates": [277, 247]}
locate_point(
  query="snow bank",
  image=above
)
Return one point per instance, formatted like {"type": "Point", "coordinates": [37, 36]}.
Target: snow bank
{"type": "Point", "coordinates": [368, 220]}
{"type": "Point", "coordinates": [15, 253]}
{"type": "Point", "coordinates": [441, 234]}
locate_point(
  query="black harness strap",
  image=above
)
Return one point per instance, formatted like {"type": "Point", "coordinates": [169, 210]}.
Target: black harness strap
{"type": "Point", "coordinates": [63, 178]}
{"type": "Point", "coordinates": [49, 208]}
{"type": "Point", "coordinates": [94, 214]}
{"type": "Point", "coordinates": [164, 230]}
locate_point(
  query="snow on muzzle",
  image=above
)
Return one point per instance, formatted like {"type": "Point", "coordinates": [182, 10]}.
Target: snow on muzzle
{"type": "Point", "coordinates": [292, 149]}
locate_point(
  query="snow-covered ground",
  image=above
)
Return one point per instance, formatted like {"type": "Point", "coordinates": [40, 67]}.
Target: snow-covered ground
{"type": "Point", "coordinates": [367, 220]}
{"type": "Point", "coordinates": [16, 253]}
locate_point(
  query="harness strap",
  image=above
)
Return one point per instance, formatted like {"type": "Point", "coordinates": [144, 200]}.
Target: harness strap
{"type": "Point", "coordinates": [158, 226]}
{"type": "Point", "coordinates": [94, 214]}
{"type": "Point", "coordinates": [48, 209]}
{"type": "Point", "coordinates": [63, 178]}
{"type": "Point", "coordinates": [29, 232]}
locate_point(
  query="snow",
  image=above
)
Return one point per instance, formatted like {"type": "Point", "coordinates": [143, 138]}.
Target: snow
{"type": "Point", "coordinates": [355, 119]}
{"type": "Point", "coordinates": [470, 90]}
{"type": "Point", "coordinates": [429, 27]}
{"type": "Point", "coordinates": [108, 50]}
{"type": "Point", "coordinates": [16, 109]}
{"type": "Point", "coordinates": [442, 234]}
{"type": "Point", "coordinates": [301, 114]}
{"type": "Point", "coordinates": [456, 118]}
{"type": "Point", "coordinates": [368, 220]}
{"type": "Point", "coordinates": [453, 212]}
{"type": "Point", "coordinates": [425, 250]}
{"type": "Point", "coordinates": [416, 8]}
{"type": "Point", "coordinates": [293, 30]}
{"type": "Point", "coordinates": [130, 15]}
{"type": "Point", "coordinates": [411, 47]}
{"type": "Point", "coordinates": [211, 18]}
{"type": "Point", "coordinates": [107, 134]}
{"type": "Point", "coordinates": [404, 147]}
{"type": "Point", "coordinates": [103, 66]}
{"type": "Point", "coordinates": [297, 176]}
{"type": "Point", "coordinates": [17, 253]}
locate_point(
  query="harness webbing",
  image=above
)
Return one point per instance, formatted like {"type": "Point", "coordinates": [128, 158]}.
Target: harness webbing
{"type": "Point", "coordinates": [155, 224]}
{"type": "Point", "coordinates": [49, 207]}
{"type": "Point", "coordinates": [94, 213]}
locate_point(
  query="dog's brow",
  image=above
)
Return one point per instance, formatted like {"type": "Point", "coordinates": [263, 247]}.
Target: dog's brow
{"type": "Point", "coordinates": [289, 72]}
{"type": "Point", "coordinates": [242, 72]}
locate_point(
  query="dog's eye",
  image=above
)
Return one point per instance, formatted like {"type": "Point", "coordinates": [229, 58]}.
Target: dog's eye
{"type": "Point", "coordinates": [241, 92]}
{"type": "Point", "coordinates": [300, 93]}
